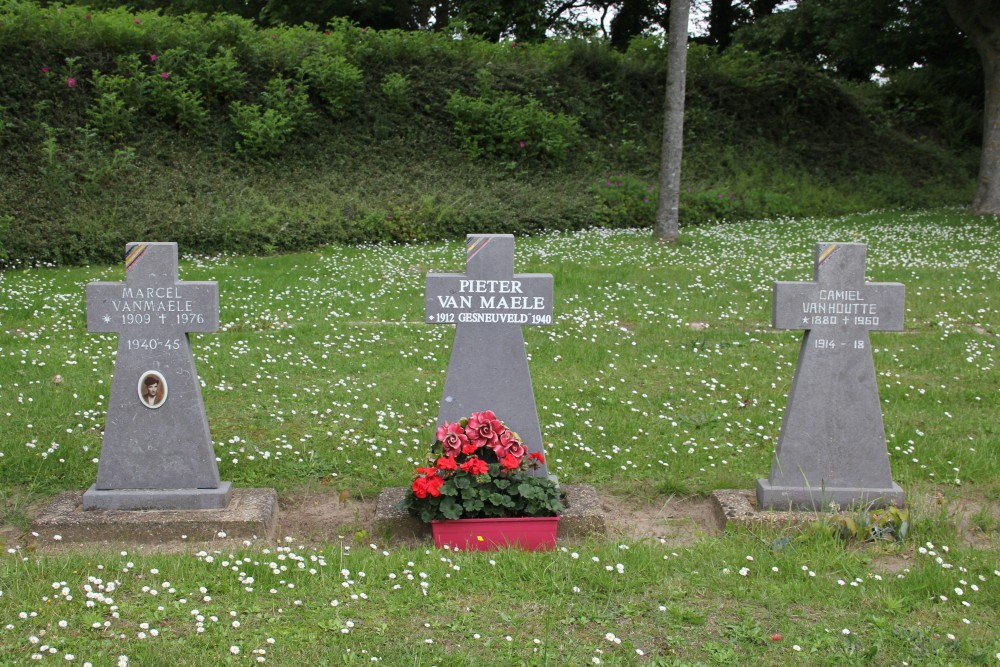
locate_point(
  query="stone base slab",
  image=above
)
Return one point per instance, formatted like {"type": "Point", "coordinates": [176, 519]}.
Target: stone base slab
{"type": "Point", "coordinates": [791, 498]}
{"type": "Point", "coordinates": [251, 515]}
{"type": "Point", "coordinates": [582, 518]}
{"type": "Point", "coordinates": [738, 507]}
{"type": "Point", "coordinates": [158, 499]}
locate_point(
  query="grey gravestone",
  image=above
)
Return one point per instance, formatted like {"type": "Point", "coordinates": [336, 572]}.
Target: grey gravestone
{"type": "Point", "coordinates": [157, 451]}
{"type": "Point", "coordinates": [489, 303]}
{"type": "Point", "coordinates": [832, 445]}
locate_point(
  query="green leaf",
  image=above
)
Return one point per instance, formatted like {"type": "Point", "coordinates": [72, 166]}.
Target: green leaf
{"type": "Point", "coordinates": [450, 509]}
{"type": "Point", "coordinates": [530, 491]}
{"type": "Point", "coordinates": [472, 505]}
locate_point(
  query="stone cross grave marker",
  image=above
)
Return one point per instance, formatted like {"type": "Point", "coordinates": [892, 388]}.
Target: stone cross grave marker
{"type": "Point", "coordinates": [832, 446]}
{"type": "Point", "coordinates": [489, 303]}
{"type": "Point", "coordinates": [157, 451]}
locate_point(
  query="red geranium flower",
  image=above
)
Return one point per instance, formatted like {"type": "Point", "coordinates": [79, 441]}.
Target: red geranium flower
{"type": "Point", "coordinates": [446, 463]}
{"type": "Point", "coordinates": [434, 486]}
{"type": "Point", "coordinates": [475, 466]}
{"type": "Point", "coordinates": [510, 462]}
{"type": "Point", "coordinates": [538, 456]}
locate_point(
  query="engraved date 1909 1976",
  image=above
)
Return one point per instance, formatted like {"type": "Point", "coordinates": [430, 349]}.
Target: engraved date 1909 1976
{"type": "Point", "coordinates": [162, 318]}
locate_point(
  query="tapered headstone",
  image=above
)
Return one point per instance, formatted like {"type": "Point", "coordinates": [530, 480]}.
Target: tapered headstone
{"type": "Point", "coordinates": [832, 446]}
{"type": "Point", "coordinates": [157, 451]}
{"type": "Point", "coordinates": [489, 303]}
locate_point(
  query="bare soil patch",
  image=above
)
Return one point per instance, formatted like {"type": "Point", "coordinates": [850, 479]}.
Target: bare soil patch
{"type": "Point", "coordinates": [320, 516]}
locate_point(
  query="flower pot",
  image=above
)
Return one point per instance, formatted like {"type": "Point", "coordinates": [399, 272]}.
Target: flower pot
{"type": "Point", "coordinates": [528, 533]}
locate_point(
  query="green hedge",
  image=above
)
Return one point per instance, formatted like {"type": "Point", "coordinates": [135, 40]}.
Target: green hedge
{"type": "Point", "coordinates": [117, 124]}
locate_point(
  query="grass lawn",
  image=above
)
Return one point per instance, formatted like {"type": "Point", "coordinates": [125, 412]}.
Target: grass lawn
{"type": "Point", "coordinates": [659, 377]}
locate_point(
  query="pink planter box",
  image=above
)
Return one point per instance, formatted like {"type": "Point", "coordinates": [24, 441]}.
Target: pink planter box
{"type": "Point", "coordinates": [528, 533]}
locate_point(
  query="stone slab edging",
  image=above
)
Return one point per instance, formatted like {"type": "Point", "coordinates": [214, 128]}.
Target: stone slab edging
{"type": "Point", "coordinates": [250, 516]}
{"type": "Point", "coordinates": [739, 507]}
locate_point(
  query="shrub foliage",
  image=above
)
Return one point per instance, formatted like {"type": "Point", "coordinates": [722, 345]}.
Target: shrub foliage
{"type": "Point", "coordinates": [116, 124]}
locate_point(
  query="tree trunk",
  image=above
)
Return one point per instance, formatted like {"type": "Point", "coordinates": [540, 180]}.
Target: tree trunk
{"type": "Point", "coordinates": [980, 20]}
{"type": "Point", "coordinates": [668, 208]}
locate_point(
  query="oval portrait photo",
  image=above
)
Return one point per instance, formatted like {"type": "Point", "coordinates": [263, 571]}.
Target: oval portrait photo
{"type": "Point", "coordinates": [152, 389]}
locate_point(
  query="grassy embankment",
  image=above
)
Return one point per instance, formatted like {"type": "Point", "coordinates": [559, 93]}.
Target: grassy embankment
{"type": "Point", "coordinates": [272, 140]}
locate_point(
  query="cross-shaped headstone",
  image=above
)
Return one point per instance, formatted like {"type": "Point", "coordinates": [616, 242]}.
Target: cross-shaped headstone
{"type": "Point", "coordinates": [157, 451]}
{"type": "Point", "coordinates": [832, 446]}
{"type": "Point", "coordinates": [489, 367]}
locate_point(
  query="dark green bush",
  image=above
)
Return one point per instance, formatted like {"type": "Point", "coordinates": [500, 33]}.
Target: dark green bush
{"type": "Point", "coordinates": [624, 201]}
{"type": "Point", "coordinates": [262, 130]}
{"type": "Point", "coordinates": [512, 128]}
{"type": "Point", "coordinates": [337, 82]}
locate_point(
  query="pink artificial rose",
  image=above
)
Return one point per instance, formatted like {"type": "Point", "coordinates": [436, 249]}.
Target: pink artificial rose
{"type": "Point", "coordinates": [509, 444]}
{"type": "Point", "coordinates": [499, 446]}
{"type": "Point", "coordinates": [452, 437]}
{"type": "Point", "coordinates": [484, 428]}
{"type": "Point", "coordinates": [516, 448]}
